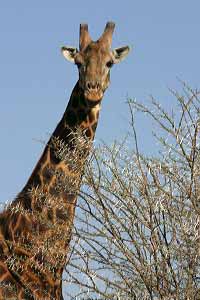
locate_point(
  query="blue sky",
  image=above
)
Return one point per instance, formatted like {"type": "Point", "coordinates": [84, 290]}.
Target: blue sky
{"type": "Point", "coordinates": [36, 81]}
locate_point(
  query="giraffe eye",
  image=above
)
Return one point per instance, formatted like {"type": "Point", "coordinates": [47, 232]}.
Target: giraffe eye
{"type": "Point", "coordinates": [109, 64]}
{"type": "Point", "coordinates": [79, 64]}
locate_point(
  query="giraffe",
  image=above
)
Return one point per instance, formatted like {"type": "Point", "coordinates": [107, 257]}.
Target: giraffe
{"type": "Point", "coordinates": [36, 228]}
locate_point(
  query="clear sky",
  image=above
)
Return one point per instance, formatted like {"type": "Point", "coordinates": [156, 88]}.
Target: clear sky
{"type": "Point", "coordinates": [36, 81]}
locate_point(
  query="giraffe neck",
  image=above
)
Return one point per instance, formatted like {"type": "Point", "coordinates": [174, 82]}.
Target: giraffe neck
{"type": "Point", "coordinates": [79, 121]}
{"type": "Point", "coordinates": [37, 225]}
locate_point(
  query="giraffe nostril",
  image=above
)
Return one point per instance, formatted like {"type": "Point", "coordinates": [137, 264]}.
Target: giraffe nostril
{"type": "Point", "coordinates": [92, 85]}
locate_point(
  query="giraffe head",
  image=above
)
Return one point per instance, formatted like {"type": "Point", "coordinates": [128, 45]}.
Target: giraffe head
{"type": "Point", "coordinates": [94, 61]}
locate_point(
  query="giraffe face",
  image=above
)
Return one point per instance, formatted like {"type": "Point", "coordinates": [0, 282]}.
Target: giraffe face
{"type": "Point", "coordinates": [94, 61]}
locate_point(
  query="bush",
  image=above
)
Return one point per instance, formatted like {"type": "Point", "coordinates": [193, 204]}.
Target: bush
{"type": "Point", "coordinates": [137, 231]}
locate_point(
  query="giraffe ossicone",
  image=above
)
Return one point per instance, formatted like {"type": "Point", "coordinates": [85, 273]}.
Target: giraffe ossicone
{"type": "Point", "coordinates": [36, 228]}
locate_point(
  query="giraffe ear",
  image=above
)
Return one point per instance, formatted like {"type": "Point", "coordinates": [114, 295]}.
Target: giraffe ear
{"type": "Point", "coordinates": [120, 53]}
{"type": "Point", "coordinates": [69, 53]}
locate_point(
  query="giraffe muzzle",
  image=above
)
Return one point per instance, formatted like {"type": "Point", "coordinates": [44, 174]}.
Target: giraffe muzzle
{"type": "Point", "coordinates": [93, 91]}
